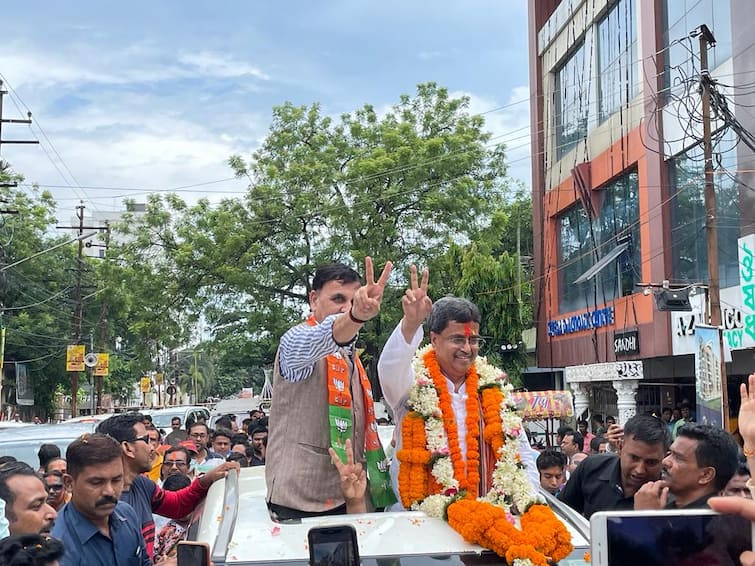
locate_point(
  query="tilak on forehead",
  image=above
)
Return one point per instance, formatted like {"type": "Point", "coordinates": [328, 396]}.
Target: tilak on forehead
{"type": "Point", "coordinates": [467, 329]}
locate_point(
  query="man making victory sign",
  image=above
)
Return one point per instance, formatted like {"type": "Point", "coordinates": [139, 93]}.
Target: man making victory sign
{"type": "Point", "coordinates": [322, 397]}
{"type": "Point", "coordinates": [462, 452]}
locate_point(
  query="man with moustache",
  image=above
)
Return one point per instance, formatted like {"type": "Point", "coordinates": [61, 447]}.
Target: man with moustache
{"type": "Point", "coordinates": [25, 498]}
{"type": "Point", "coordinates": [700, 462]}
{"type": "Point", "coordinates": [97, 529]}
{"type": "Point", "coordinates": [142, 493]}
{"type": "Point", "coordinates": [604, 482]}
{"type": "Point", "coordinates": [322, 397]}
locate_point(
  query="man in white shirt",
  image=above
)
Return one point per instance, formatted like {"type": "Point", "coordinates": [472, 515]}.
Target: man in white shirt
{"type": "Point", "coordinates": [454, 325]}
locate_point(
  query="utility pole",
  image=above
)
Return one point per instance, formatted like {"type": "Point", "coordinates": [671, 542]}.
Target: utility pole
{"type": "Point", "coordinates": [3, 92]}
{"type": "Point", "coordinates": [103, 326]}
{"type": "Point", "coordinates": [707, 41]}
{"type": "Point", "coordinates": [78, 310]}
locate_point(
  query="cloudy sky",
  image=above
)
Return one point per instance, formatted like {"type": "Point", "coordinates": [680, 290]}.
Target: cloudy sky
{"type": "Point", "coordinates": [134, 97]}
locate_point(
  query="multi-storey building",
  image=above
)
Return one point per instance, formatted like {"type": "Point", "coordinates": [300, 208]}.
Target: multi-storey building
{"type": "Point", "coordinates": [618, 184]}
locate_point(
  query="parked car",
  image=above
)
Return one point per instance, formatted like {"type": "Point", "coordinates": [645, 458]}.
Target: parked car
{"type": "Point", "coordinates": [161, 417]}
{"type": "Point", "coordinates": [23, 442]}
{"type": "Point", "coordinates": [236, 525]}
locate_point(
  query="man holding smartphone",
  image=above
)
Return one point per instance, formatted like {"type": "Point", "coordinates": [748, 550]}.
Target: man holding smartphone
{"type": "Point", "coordinates": [604, 482]}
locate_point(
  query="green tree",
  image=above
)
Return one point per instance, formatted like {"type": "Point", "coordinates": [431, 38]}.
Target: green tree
{"type": "Point", "coordinates": [34, 293]}
{"type": "Point", "coordinates": [401, 186]}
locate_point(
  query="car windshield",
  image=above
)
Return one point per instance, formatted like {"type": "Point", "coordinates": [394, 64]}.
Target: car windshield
{"type": "Point", "coordinates": [162, 420]}
{"type": "Point", "coordinates": [26, 450]}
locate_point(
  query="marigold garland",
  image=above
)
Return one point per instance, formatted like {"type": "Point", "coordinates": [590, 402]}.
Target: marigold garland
{"type": "Point", "coordinates": [468, 476]}
{"type": "Point", "coordinates": [414, 456]}
{"type": "Point", "coordinates": [449, 490]}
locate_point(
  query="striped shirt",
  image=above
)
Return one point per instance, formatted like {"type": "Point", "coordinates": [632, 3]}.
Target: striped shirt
{"type": "Point", "coordinates": [302, 346]}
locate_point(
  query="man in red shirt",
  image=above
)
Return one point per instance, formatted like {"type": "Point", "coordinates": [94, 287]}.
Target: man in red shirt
{"type": "Point", "coordinates": [142, 493]}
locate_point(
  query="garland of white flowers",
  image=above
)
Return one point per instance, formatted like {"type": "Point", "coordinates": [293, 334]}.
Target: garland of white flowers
{"type": "Point", "coordinates": [510, 484]}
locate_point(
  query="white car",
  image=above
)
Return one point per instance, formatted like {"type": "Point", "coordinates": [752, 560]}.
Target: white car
{"type": "Point", "coordinates": [161, 417]}
{"type": "Point", "coordinates": [237, 527]}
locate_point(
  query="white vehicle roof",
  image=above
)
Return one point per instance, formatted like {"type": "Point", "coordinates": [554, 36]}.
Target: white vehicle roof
{"type": "Point", "coordinates": [238, 528]}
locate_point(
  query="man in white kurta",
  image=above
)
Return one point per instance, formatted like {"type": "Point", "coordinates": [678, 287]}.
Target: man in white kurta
{"type": "Point", "coordinates": [454, 333]}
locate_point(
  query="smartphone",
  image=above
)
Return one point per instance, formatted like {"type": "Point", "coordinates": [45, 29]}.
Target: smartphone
{"type": "Point", "coordinates": [192, 553]}
{"type": "Point", "coordinates": [668, 538]}
{"type": "Point", "coordinates": [333, 545]}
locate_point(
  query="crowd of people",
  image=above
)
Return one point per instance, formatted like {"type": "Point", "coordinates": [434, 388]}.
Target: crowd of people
{"type": "Point", "coordinates": [129, 490]}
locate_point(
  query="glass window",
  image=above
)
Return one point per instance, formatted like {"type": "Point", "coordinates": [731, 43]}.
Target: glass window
{"type": "Point", "coordinates": [683, 16]}
{"type": "Point", "coordinates": [617, 58]}
{"type": "Point", "coordinates": [618, 215]}
{"type": "Point", "coordinates": [688, 235]}
{"type": "Point", "coordinates": [571, 101]}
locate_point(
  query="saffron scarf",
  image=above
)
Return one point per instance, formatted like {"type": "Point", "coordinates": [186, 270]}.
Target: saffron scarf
{"type": "Point", "coordinates": [341, 421]}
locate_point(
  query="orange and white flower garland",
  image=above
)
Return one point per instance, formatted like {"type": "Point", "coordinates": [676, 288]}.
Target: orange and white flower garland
{"type": "Point", "coordinates": [430, 436]}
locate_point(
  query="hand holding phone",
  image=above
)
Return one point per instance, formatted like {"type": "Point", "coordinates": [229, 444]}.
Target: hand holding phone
{"type": "Point", "coordinates": [332, 545]}
{"type": "Point", "coordinates": [615, 436]}
{"type": "Point", "coordinates": [192, 553]}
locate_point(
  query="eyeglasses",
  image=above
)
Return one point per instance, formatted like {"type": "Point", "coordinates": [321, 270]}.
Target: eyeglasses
{"type": "Point", "coordinates": [144, 438]}
{"type": "Point", "coordinates": [174, 463]}
{"type": "Point", "coordinates": [198, 435]}
{"type": "Point", "coordinates": [461, 341]}
{"type": "Point", "coordinates": [55, 487]}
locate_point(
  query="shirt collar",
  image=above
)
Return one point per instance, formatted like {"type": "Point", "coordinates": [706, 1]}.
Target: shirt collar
{"type": "Point", "coordinates": [612, 473]}
{"type": "Point", "coordinates": [84, 528]}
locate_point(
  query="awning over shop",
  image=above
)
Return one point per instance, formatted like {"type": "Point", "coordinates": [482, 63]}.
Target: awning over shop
{"type": "Point", "coordinates": [535, 405]}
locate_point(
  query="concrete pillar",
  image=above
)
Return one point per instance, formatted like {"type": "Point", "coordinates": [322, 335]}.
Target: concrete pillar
{"type": "Point", "coordinates": [581, 392]}
{"type": "Point", "coordinates": [626, 393]}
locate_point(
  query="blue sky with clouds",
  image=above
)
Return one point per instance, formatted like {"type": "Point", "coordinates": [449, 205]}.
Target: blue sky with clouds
{"type": "Point", "coordinates": [138, 96]}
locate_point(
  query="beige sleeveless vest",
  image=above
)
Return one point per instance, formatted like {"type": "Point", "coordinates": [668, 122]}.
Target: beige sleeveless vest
{"type": "Point", "coordinates": [298, 469]}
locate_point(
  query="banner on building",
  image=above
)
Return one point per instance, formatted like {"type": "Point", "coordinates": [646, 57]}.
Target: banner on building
{"type": "Point", "coordinates": [145, 384]}
{"type": "Point", "coordinates": [24, 386]}
{"type": "Point", "coordinates": [75, 357]}
{"type": "Point", "coordinates": [708, 386]}
{"type": "Point", "coordinates": [102, 368]}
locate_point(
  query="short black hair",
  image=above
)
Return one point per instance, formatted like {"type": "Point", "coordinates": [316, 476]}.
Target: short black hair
{"type": "Point", "coordinates": [30, 550]}
{"type": "Point", "coordinates": [715, 449]}
{"type": "Point", "coordinates": [596, 442]}
{"type": "Point", "coordinates": [175, 419]}
{"type": "Point", "coordinates": [577, 438]}
{"type": "Point", "coordinates": [7, 471]}
{"type": "Point", "coordinates": [121, 427]}
{"type": "Point", "coordinates": [222, 432]}
{"type": "Point", "coordinates": [198, 423]}
{"type": "Point", "coordinates": [550, 458]}
{"type": "Point", "coordinates": [334, 272]}
{"type": "Point", "coordinates": [92, 450]}
{"type": "Point", "coordinates": [239, 438]}
{"type": "Point", "coordinates": [450, 309]}
{"type": "Point", "coordinates": [46, 453]}
{"type": "Point", "coordinates": [47, 467]}
{"type": "Point", "coordinates": [257, 430]}
{"type": "Point", "coordinates": [238, 457]}
{"type": "Point", "coordinates": [7, 459]}
{"type": "Point", "coordinates": [562, 430]}
{"type": "Point", "coordinates": [223, 422]}
{"type": "Point", "coordinates": [648, 429]}
{"type": "Point", "coordinates": [176, 482]}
